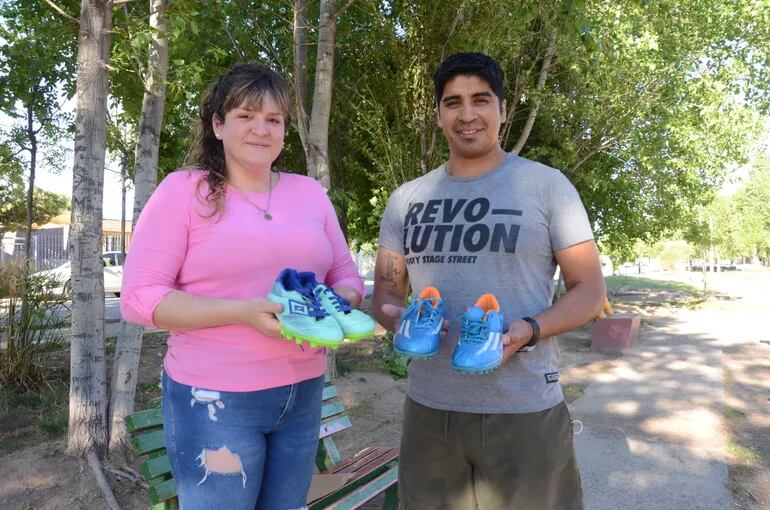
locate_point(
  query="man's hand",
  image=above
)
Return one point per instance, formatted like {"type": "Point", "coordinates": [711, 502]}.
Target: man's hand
{"type": "Point", "coordinates": [259, 313]}
{"type": "Point", "coordinates": [350, 294]}
{"type": "Point", "coordinates": [515, 338]}
{"type": "Point", "coordinates": [394, 313]}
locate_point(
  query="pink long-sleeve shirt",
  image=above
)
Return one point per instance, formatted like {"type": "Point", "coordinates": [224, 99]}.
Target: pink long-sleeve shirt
{"type": "Point", "coordinates": [235, 256]}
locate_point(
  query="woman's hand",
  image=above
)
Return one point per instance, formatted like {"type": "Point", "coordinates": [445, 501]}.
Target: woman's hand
{"type": "Point", "coordinates": [259, 313]}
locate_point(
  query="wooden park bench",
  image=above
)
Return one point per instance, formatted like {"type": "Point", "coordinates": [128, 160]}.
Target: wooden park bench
{"type": "Point", "coordinates": [368, 473]}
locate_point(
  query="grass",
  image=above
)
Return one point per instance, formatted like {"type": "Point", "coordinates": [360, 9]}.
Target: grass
{"type": "Point", "coordinates": [573, 391]}
{"type": "Point", "coordinates": [743, 454]}
{"type": "Point", "coordinates": [148, 395]}
{"type": "Point", "coordinates": [617, 284]}
{"type": "Point", "coordinates": [28, 416]}
{"type": "Point", "coordinates": [733, 413]}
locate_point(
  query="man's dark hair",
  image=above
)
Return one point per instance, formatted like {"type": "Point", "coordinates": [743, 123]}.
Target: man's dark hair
{"type": "Point", "coordinates": [470, 64]}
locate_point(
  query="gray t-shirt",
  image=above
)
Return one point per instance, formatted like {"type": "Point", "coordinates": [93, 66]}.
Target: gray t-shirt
{"type": "Point", "coordinates": [492, 233]}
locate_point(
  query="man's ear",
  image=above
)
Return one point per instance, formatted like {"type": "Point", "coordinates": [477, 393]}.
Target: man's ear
{"type": "Point", "coordinates": [503, 109]}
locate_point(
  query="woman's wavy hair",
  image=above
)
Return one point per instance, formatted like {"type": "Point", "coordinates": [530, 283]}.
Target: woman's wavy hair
{"type": "Point", "coordinates": [243, 84]}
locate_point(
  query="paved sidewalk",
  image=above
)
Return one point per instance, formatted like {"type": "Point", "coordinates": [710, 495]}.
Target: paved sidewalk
{"type": "Point", "coordinates": [653, 433]}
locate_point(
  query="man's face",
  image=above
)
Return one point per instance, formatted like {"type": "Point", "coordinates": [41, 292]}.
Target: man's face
{"type": "Point", "coordinates": [470, 114]}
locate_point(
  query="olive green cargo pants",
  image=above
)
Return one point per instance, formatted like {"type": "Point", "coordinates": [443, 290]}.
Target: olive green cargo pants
{"type": "Point", "coordinates": [467, 461]}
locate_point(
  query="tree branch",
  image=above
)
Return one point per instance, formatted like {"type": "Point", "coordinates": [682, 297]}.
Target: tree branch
{"type": "Point", "coordinates": [455, 21]}
{"type": "Point", "coordinates": [345, 7]}
{"type": "Point", "coordinates": [536, 101]}
{"type": "Point", "coordinates": [236, 46]}
{"type": "Point", "coordinates": [596, 150]}
{"type": "Point", "coordinates": [63, 12]}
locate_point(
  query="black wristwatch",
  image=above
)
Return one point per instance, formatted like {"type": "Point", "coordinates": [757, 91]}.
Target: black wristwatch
{"type": "Point", "coordinates": [535, 331]}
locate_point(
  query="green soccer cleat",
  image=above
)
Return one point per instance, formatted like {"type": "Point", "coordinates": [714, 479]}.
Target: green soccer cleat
{"type": "Point", "coordinates": [355, 324]}
{"type": "Point", "coordinates": [303, 318]}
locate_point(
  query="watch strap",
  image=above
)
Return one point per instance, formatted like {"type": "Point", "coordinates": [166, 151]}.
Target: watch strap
{"type": "Point", "coordinates": [535, 331]}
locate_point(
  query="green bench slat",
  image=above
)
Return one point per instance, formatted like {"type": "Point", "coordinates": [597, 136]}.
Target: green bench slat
{"type": "Point", "coordinates": [155, 467]}
{"type": "Point", "coordinates": [147, 442]}
{"type": "Point", "coordinates": [333, 426]}
{"type": "Point", "coordinates": [162, 491]}
{"type": "Point", "coordinates": [169, 504]}
{"type": "Point", "coordinates": [331, 409]}
{"type": "Point", "coordinates": [144, 419]}
{"type": "Point", "coordinates": [367, 492]}
{"type": "Point", "coordinates": [329, 392]}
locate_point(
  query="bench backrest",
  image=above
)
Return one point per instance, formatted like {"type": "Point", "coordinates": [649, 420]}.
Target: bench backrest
{"type": "Point", "coordinates": [146, 428]}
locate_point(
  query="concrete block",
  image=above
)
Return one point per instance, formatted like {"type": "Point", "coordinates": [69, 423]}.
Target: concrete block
{"type": "Point", "coordinates": [615, 333]}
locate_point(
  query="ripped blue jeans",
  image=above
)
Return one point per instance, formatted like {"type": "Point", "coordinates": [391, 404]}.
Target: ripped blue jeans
{"type": "Point", "coordinates": [242, 450]}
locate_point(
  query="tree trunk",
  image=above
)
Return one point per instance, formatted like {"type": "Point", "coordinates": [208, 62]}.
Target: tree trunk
{"type": "Point", "coordinates": [127, 352]}
{"type": "Point", "coordinates": [32, 136]}
{"type": "Point", "coordinates": [301, 86]}
{"type": "Point", "coordinates": [123, 172]}
{"type": "Point", "coordinates": [318, 164]}
{"type": "Point", "coordinates": [88, 402]}
{"type": "Point", "coordinates": [314, 133]}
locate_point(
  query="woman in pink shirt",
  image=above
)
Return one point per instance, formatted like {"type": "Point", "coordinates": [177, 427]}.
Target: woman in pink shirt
{"type": "Point", "coordinates": [241, 405]}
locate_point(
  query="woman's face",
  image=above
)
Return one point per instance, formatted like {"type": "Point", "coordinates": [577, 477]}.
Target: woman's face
{"type": "Point", "coordinates": [252, 139]}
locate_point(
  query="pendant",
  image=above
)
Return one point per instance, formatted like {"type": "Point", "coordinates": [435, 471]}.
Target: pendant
{"type": "Point", "coordinates": [268, 217]}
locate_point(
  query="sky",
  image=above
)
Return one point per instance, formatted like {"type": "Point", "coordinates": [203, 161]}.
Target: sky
{"type": "Point", "coordinates": [62, 183]}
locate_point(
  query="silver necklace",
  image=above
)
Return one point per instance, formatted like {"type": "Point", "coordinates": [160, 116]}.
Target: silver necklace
{"type": "Point", "coordinates": [266, 211]}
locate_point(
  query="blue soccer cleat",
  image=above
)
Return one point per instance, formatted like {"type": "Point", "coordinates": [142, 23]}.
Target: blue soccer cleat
{"type": "Point", "coordinates": [355, 324]}
{"type": "Point", "coordinates": [303, 319]}
{"type": "Point", "coordinates": [419, 330]}
{"type": "Point", "coordinates": [480, 349]}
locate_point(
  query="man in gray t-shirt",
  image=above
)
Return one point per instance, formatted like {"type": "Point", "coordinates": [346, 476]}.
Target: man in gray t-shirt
{"type": "Point", "coordinates": [487, 222]}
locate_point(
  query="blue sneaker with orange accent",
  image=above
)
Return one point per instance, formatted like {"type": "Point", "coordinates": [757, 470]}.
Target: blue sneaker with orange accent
{"type": "Point", "coordinates": [480, 349]}
{"type": "Point", "coordinates": [303, 319]}
{"type": "Point", "coordinates": [419, 330]}
{"type": "Point", "coordinates": [355, 324]}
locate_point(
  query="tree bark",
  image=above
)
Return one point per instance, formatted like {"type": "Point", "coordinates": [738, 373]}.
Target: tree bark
{"type": "Point", "coordinates": [128, 349]}
{"type": "Point", "coordinates": [88, 402]}
{"type": "Point", "coordinates": [318, 136]}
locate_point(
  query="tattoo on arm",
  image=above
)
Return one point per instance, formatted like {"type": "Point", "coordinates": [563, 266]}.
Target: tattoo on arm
{"type": "Point", "coordinates": [391, 271]}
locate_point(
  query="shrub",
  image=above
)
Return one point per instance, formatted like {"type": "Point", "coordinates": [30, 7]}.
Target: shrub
{"type": "Point", "coordinates": [32, 314]}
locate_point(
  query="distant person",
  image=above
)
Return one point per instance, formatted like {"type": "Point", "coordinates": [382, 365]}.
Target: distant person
{"type": "Point", "coordinates": [241, 406]}
{"type": "Point", "coordinates": [487, 222]}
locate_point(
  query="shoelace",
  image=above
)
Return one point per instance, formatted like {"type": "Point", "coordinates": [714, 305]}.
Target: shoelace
{"type": "Point", "coordinates": [314, 308]}
{"type": "Point", "coordinates": [340, 303]}
{"type": "Point", "coordinates": [473, 331]}
{"type": "Point", "coordinates": [427, 310]}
